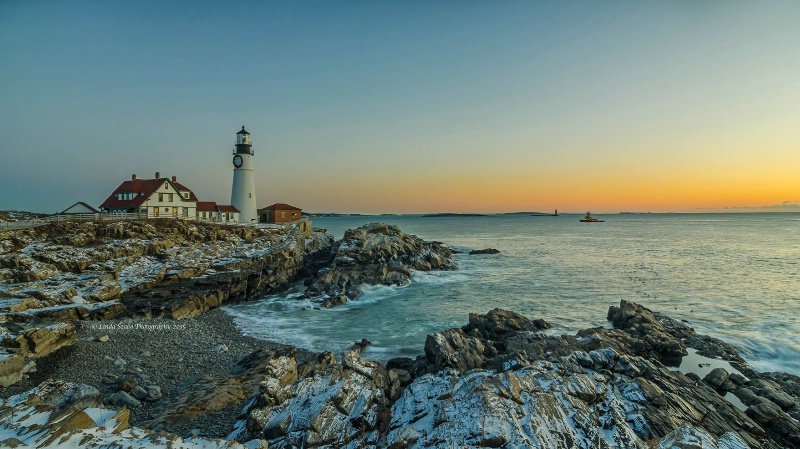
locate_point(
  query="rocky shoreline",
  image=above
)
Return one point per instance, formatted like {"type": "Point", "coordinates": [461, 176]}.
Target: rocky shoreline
{"type": "Point", "coordinates": [164, 367]}
{"type": "Point", "coordinates": [161, 352]}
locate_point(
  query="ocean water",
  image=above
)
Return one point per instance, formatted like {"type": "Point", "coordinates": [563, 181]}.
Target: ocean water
{"type": "Point", "coordinates": [733, 276]}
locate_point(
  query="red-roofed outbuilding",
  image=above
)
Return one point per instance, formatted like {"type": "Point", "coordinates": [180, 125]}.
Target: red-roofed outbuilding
{"type": "Point", "coordinates": [279, 213]}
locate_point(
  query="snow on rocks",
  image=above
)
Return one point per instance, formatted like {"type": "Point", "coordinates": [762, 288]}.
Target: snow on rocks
{"type": "Point", "coordinates": [90, 262]}
{"type": "Point", "coordinates": [61, 414]}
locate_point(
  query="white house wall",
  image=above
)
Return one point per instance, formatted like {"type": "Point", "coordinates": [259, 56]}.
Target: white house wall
{"type": "Point", "coordinates": [165, 206]}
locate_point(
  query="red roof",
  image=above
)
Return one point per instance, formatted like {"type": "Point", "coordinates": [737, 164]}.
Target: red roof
{"type": "Point", "coordinates": [280, 206]}
{"type": "Point", "coordinates": [206, 206]}
{"type": "Point", "coordinates": [142, 189]}
{"type": "Point", "coordinates": [182, 188]}
{"type": "Point", "coordinates": [226, 208]}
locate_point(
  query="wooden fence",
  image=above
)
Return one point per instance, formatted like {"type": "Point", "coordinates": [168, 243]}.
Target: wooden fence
{"type": "Point", "coordinates": [115, 217]}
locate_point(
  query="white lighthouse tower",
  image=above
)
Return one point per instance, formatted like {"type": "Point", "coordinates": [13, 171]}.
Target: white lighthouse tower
{"type": "Point", "coordinates": [243, 192]}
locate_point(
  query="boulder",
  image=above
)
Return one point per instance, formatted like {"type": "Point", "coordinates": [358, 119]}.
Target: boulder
{"type": "Point", "coordinates": [499, 324]}
{"type": "Point", "coordinates": [122, 398]}
{"type": "Point", "coordinates": [454, 349]}
{"type": "Point", "coordinates": [716, 378]}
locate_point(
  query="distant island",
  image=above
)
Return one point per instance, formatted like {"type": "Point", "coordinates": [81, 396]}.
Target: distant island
{"type": "Point", "coordinates": [332, 214]}
{"type": "Point", "coordinates": [448, 214]}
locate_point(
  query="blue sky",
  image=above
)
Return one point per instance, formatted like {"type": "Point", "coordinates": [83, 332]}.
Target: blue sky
{"type": "Point", "coordinates": [406, 106]}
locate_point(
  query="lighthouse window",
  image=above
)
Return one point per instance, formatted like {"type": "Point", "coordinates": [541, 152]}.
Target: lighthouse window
{"type": "Point", "coordinates": [250, 195]}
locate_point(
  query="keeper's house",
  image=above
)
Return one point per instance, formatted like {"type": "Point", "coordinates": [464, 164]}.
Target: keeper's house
{"type": "Point", "coordinates": [164, 198]}
{"type": "Point", "coordinates": [279, 213]}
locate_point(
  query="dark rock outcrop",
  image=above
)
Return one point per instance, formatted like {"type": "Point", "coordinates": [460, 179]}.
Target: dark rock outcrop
{"type": "Point", "coordinates": [484, 251]}
{"type": "Point", "coordinates": [549, 392]}
{"type": "Point", "coordinates": [374, 254]}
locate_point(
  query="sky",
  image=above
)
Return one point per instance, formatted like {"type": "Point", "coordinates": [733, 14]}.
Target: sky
{"type": "Point", "coordinates": [407, 106]}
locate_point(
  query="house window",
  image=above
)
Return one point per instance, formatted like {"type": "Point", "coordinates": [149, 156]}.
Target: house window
{"type": "Point", "coordinates": [160, 197]}
{"type": "Point", "coordinates": [166, 186]}
{"type": "Point", "coordinates": [186, 195]}
{"type": "Point", "coordinates": [283, 214]}
{"type": "Point", "coordinates": [171, 198]}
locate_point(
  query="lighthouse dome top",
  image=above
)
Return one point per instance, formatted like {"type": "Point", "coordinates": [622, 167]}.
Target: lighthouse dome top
{"type": "Point", "coordinates": [243, 131]}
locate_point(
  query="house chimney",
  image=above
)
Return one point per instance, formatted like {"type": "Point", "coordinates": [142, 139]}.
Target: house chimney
{"type": "Point", "coordinates": [133, 177]}
{"type": "Point", "coordinates": [174, 178]}
{"type": "Point", "coordinates": [158, 175]}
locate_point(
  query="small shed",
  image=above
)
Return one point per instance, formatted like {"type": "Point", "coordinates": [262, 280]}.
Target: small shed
{"type": "Point", "coordinates": [279, 213]}
{"type": "Point", "coordinates": [79, 208]}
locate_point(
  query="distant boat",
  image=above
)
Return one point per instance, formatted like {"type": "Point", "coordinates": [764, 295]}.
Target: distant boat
{"type": "Point", "coordinates": [589, 219]}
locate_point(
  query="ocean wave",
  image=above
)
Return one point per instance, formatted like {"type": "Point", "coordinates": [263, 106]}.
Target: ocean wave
{"type": "Point", "coordinates": [439, 277]}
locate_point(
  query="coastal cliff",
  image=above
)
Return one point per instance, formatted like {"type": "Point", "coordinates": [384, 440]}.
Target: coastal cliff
{"type": "Point", "coordinates": [163, 369]}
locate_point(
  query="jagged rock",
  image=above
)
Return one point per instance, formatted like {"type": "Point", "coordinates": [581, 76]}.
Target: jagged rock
{"type": "Point", "coordinates": [11, 366]}
{"type": "Point", "coordinates": [688, 437]}
{"type": "Point", "coordinates": [37, 423]}
{"type": "Point", "coordinates": [484, 251]}
{"type": "Point", "coordinates": [403, 363]}
{"type": "Point", "coordinates": [360, 346]}
{"type": "Point", "coordinates": [41, 341]}
{"type": "Point", "coordinates": [499, 324]}
{"type": "Point", "coordinates": [651, 335]}
{"type": "Point", "coordinates": [59, 394]}
{"type": "Point", "coordinates": [84, 267]}
{"type": "Point", "coordinates": [517, 409]}
{"type": "Point", "coordinates": [335, 406]}
{"type": "Point", "coordinates": [374, 254]}
{"type": "Point", "coordinates": [772, 391]}
{"type": "Point", "coordinates": [205, 395]}
{"type": "Point", "coordinates": [454, 349]}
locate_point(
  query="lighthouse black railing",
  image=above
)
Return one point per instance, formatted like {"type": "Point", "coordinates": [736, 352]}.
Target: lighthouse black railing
{"type": "Point", "coordinates": [238, 151]}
